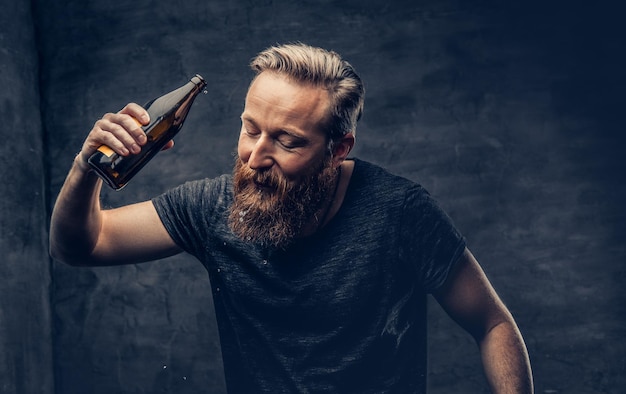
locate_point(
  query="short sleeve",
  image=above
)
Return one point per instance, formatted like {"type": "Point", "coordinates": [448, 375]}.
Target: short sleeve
{"type": "Point", "coordinates": [429, 241]}
{"type": "Point", "coordinates": [189, 212]}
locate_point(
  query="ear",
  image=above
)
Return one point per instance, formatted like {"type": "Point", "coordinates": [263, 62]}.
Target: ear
{"type": "Point", "coordinates": [342, 148]}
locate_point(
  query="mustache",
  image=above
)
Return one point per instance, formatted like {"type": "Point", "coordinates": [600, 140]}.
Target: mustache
{"type": "Point", "coordinates": [267, 178]}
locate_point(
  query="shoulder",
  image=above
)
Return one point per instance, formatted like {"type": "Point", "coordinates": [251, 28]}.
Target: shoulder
{"type": "Point", "coordinates": [375, 189]}
{"type": "Point", "coordinates": [200, 195]}
{"type": "Point", "coordinates": [369, 179]}
{"type": "Point", "coordinates": [201, 187]}
{"type": "Point", "coordinates": [191, 211]}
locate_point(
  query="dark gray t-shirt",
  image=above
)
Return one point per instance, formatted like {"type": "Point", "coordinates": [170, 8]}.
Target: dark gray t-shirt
{"type": "Point", "coordinates": [341, 311]}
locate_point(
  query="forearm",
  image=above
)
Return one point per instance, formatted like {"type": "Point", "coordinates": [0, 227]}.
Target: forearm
{"type": "Point", "coordinates": [505, 360]}
{"type": "Point", "coordinates": [76, 217]}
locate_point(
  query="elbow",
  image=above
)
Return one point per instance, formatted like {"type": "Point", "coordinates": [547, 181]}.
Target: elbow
{"type": "Point", "coordinates": [66, 258]}
{"type": "Point", "coordinates": [503, 324]}
{"type": "Point", "coordinates": [69, 254]}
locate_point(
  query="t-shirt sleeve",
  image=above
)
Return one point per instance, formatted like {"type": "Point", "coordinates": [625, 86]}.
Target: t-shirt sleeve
{"type": "Point", "coordinates": [188, 210]}
{"type": "Point", "coordinates": [429, 240]}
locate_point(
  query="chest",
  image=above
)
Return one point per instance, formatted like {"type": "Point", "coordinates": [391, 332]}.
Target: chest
{"type": "Point", "coordinates": [318, 283]}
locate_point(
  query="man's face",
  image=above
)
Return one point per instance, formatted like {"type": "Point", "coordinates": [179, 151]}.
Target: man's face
{"type": "Point", "coordinates": [281, 126]}
{"type": "Point", "coordinates": [284, 171]}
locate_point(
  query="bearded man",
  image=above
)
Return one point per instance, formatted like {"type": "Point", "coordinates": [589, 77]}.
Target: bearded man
{"type": "Point", "coordinates": [319, 263]}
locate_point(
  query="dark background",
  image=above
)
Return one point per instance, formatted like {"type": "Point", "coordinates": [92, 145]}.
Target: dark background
{"type": "Point", "coordinates": [510, 113]}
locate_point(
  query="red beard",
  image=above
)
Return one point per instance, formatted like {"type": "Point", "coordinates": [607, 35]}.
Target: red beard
{"type": "Point", "coordinates": [272, 210]}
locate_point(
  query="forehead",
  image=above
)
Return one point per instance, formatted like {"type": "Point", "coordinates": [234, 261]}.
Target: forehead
{"type": "Point", "coordinates": [277, 100]}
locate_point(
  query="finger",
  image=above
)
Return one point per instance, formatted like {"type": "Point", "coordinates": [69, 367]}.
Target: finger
{"type": "Point", "coordinates": [133, 127]}
{"type": "Point", "coordinates": [169, 145]}
{"type": "Point", "coordinates": [140, 117]}
{"type": "Point", "coordinates": [121, 133]}
{"type": "Point", "coordinates": [136, 111]}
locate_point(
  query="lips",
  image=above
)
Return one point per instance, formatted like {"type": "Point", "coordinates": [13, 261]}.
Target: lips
{"type": "Point", "coordinates": [260, 185]}
{"type": "Point", "coordinates": [266, 187]}
{"type": "Point", "coordinates": [263, 181]}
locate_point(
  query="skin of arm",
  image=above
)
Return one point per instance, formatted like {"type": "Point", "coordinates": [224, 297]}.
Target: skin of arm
{"type": "Point", "coordinates": [470, 300]}
{"type": "Point", "coordinates": [83, 234]}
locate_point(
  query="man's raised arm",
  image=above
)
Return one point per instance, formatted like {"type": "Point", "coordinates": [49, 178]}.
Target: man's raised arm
{"type": "Point", "coordinates": [81, 233]}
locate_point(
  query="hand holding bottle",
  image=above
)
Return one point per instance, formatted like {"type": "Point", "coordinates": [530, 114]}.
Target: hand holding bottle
{"type": "Point", "coordinates": [119, 131]}
{"type": "Point", "coordinates": [120, 144]}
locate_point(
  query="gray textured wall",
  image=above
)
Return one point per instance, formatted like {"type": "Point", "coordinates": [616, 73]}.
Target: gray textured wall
{"type": "Point", "coordinates": [25, 326]}
{"type": "Point", "coordinates": [509, 114]}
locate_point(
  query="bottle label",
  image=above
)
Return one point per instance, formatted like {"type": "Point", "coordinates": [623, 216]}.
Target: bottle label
{"type": "Point", "coordinates": [105, 150]}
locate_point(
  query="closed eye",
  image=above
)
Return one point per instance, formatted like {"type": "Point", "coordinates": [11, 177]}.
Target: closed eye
{"type": "Point", "coordinates": [251, 131]}
{"type": "Point", "coordinates": [285, 138]}
{"type": "Point", "coordinates": [289, 141]}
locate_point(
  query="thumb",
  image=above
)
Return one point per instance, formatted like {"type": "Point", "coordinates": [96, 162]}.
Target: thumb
{"type": "Point", "coordinates": [169, 145]}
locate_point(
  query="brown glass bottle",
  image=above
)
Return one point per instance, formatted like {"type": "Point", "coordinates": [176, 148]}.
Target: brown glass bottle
{"type": "Point", "coordinates": [167, 114]}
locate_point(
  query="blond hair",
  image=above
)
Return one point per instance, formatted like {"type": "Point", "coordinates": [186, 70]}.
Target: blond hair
{"type": "Point", "coordinates": [326, 69]}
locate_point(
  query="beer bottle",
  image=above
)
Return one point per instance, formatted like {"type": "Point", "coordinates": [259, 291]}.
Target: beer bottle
{"type": "Point", "coordinates": [167, 114]}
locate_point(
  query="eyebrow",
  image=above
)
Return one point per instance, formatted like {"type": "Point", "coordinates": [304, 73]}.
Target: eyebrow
{"type": "Point", "coordinates": [294, 134]}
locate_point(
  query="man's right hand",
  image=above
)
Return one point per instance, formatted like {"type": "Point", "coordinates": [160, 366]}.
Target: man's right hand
{"type": "Point", "coordinates": [119, 131]}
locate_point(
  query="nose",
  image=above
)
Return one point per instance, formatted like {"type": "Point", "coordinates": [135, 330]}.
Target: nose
{"type": "Point", "coordinates": [261, 154]}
